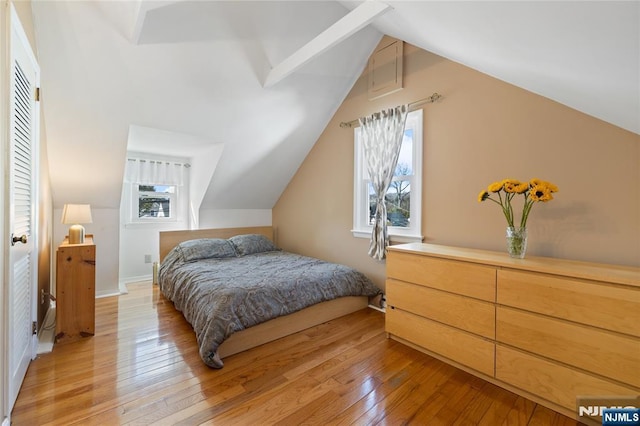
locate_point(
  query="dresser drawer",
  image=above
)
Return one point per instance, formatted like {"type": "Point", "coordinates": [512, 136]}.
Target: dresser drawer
{"type": "Point", "coordinates": [463, 278]}
{"type": "Point", "coordinates": [553, 382]}
{"type": "Point", "coordinates": [472, 315]}
{"type": "Point", "coordinates": [588, 302]}
{"type": "Point", "coordinates": [608, 354]}
{"type": "Point", "coordinates": [457, 345]}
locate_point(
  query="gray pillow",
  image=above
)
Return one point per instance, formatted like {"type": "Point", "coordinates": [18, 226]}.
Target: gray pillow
{"type": "Point", "coordinates": [251, 243]}
{"type": "Point", "coordinates": [206, 248]}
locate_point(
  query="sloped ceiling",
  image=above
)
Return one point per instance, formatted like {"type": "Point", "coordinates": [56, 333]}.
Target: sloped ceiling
{"type": "Point", "coordinates": [195, 70]}
{"type": "Point", "coordinates": [584, 54]}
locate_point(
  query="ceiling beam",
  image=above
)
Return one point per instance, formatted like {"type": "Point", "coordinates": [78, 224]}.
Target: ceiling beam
{"type": "Point", "coordinates": [138, 21]}
{"type": "Point", "coordinates": [351, 23]}
{"type": "Point", "coordinates": [140, 15]}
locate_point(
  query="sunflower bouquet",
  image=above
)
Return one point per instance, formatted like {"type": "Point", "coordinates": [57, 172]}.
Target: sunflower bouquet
{"type": "Point", "coordinates": [503, 192]}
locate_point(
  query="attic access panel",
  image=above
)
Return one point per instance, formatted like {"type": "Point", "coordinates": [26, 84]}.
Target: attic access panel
{"type": "Point", "coordinates": [385, 70]}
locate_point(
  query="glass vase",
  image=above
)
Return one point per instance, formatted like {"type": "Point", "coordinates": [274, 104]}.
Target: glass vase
{"type": "Point", "coordinates": [516, 242]}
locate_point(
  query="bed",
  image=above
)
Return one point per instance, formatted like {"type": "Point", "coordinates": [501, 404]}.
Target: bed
{"type": "Point", "coordinates": [239, 291]}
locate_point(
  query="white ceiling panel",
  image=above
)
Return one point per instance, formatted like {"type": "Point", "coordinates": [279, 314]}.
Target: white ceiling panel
{"type": "Point", "coordinates": [196, 69]}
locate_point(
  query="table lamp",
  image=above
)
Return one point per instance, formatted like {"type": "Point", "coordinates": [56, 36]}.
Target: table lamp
{"type": "Point", "coordinates": [76, 214]}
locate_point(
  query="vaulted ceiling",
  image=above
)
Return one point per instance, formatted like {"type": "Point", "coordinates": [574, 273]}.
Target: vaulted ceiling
{"type": "Point", "coordinates": [194, 72]}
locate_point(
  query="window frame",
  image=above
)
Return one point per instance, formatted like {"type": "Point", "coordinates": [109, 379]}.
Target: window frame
{"type": "Point", "coordinates": [361, 227]}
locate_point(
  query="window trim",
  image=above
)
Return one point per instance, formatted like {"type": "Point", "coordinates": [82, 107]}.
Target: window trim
{"type": "Point", "coordinates": [361, 229]}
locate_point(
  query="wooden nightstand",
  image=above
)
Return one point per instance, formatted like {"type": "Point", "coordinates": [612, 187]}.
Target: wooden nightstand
{"type": "Point", "coordinates": [75, 290]}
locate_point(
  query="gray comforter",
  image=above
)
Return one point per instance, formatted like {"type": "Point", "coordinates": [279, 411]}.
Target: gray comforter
{"type": "Point", "coordinates": [219, 296]}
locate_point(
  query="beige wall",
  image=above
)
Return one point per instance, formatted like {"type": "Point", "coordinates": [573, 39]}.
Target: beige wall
{"type": "Point", "coordinates": [482, 130]}
{"type": "Point", "coordinates": [45, 227]}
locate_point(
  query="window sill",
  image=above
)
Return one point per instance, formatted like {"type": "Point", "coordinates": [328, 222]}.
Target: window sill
{"type": "Point", "coordinates": [398, 238]}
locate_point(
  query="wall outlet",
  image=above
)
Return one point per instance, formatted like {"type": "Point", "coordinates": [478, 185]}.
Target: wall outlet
{"type": "Point", "coordinates": [147, 258]}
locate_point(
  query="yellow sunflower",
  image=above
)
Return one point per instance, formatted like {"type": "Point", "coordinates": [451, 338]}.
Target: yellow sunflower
{"type": "Point", "coordinates": [522, 188]}
{"type": "Point", "coordinates": [533, 191]}
{"type": "Point", "coordinates": [510, 185]}
{"type": "Point", "coordinates": [484, 194]}
{"type": "Point", "coordinates": [496, 186]}
{"type": "Point", "coordinates": [535, 182]}
{"type": "Point", "coordinates": [540, 192]}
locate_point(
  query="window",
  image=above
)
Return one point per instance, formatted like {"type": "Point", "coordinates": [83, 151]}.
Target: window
{"type": "Point", "coordinates": [156, 191]}
{"type": "Point", "coordinates": [404, 197]}
{"type": "Point", "coordinates": [154, 203]}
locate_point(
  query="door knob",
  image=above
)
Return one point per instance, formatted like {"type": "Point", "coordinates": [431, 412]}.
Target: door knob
{"type": "Point", "coordinates": [22, 239]}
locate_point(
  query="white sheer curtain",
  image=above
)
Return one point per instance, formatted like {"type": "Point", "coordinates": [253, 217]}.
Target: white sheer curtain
{"type": "Point", "coordinates": [155, 172]}
{"type": "Point", "coordinates": [382, 139]}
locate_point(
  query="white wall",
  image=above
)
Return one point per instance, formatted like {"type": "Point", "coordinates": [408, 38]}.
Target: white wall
{"type": "Point", "coordinates": [140, 239]}
{"type": "Point", "coordinates": [136, 241]}
{"type": "Point", "coordinates": [203, 164]}
{"type": "Point", "coordinates": [104, 229]}
{"type": "Point", "coordinates": [232, 218]}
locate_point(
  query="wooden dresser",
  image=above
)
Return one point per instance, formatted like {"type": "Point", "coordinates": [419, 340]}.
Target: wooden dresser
{"type": "Point", "coordinates": [548, 329]}
{"type": "Point", "coordinates": [75, 290]}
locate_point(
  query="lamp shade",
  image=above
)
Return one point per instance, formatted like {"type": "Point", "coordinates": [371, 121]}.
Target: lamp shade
{"type": "Point", "coordinates": [76, 213]}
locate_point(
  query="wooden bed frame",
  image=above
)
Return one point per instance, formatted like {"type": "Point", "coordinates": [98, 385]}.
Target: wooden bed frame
{"type": "Point", "coordinates": [275, 328]}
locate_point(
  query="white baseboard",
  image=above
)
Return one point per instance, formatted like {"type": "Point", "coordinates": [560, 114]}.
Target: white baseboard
{"type": "Point", "coordinates": [47, 333]}
{"type": "Point", "coordinates": [378, 309]}
{"type": "Point", "coordinates": [122, 285]}
{"type": "Point", "coordinates": [132, 280]}
{"type": "Point", "coordinates": [113, 293]}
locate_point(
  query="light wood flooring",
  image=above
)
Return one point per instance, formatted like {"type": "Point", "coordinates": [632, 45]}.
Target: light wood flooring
{"type": "Point", "coordinates": [143, 367]}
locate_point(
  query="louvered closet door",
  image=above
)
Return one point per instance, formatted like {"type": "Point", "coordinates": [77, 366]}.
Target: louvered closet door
{"type": "Point", "coordinates": [23, 139]}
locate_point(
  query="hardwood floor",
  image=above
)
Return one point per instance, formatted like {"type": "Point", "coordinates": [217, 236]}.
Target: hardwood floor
{"type": "Point", "coordinates": [143, 367]}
